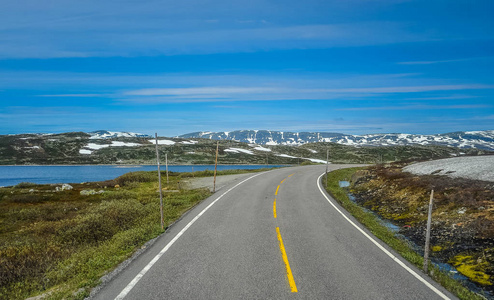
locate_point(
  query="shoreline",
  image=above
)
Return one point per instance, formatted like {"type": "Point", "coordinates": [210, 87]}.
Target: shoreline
{"type": "Point", "coordinates": [138, 165]}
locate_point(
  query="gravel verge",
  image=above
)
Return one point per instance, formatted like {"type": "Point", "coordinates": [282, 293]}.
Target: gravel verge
{"type": "Point", "coordinates": [471, 167]}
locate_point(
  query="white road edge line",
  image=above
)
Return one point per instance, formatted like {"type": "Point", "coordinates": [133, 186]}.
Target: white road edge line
{"type": "Point", "coordinates": [138, 277]}
{"type": "Point", "coordinates": [396, 259]}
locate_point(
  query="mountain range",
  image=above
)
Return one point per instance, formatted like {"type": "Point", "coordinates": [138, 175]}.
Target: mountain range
{"type": "Point", "coordinates": [464, 139]}
{"type": "Point", "coordinates": [105, 134]}
{"type": "Point", "coordinates": [259, 147]}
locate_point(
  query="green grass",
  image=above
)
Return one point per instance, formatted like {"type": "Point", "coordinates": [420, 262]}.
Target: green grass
{"type": "Point", "coordinates": [61, 243]}
{"type": "Point", "coordinates": [370, 221]}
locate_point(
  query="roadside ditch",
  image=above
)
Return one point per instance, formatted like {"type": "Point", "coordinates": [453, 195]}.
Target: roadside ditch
{"type": "Point", "coordinates": [393, 204]}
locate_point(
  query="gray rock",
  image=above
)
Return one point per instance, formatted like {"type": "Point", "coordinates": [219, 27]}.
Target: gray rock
{"type": "Point", "coordinates": [88, 192]}
{"type": "Point", "coordinates": [66, 187]}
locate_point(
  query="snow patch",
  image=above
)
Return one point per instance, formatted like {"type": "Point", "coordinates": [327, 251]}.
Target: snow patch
{"type": "Point", "coordinates": [239, 150]}
{"type": "Point", "coordinates": [286, 155]}
{"type": "Point", "coordinates": [260, 148]}
{"type": "Point", "coordinates": [162, 142]}
{"type": "Point", "coordinates": [311, 159]}
{"type": "Point", "coordinates": [114, 134]}
{"type": "Point", "coordinates": [93, 146]}
{"type": "Point", "coordinates": [122, 144]}
{"type": "Point", "coordinates": [85, 151]}
{"type": "Point", "coordinates": [231, 150]}
{"type": "Point", "coordinates": [320, 161]}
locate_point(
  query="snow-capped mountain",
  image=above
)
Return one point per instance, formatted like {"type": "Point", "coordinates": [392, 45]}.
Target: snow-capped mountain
{"type": "Point", "coordinates": [464, 139]}
{"type": "Point", "coordinates": [104, 134]}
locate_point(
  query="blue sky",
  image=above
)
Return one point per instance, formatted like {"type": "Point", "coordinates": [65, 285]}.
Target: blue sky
{"type": "Point", "coordinates": [173, 67]}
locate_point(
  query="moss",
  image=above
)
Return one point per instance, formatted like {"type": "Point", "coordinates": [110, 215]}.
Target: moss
{"type": "Point", "coordinates": [472, 268]}
{"type": "Point", "coordinates": [437, 248]}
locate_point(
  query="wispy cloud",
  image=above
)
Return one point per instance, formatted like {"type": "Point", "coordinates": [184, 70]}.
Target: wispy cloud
{"type": "Point", "coordinates": [412, 89]}
{"type": "Point", "coordinates": [452, 97]}
{"type": "Point", "coordinates": [74, 95]}
{"type": "Point", "coordinates": [134, 28]}
{"type": "Point", "coordinates": [258, 93]}
{"type": "Point", "coordinates": [416, 107]}
{"type": "Point", "coordinates": [430, 62]}
{"type": "Point", "coordinates": [222, 38]}
{"type": "Point", "coordinates": [489, 117]}
{"type": "Point", "coordinates": [202, 91]}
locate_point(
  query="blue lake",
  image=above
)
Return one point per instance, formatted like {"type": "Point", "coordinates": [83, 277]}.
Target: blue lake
{"type": "Point", "coordinates": [12, 175]}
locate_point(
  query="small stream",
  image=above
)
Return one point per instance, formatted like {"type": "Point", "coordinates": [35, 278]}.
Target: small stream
{"type": "Point", "coordinates": [451, 270]}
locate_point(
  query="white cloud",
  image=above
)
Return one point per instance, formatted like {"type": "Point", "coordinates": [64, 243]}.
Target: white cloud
{"type": "Point", "coordinates": [48, 41]}
{"type": "Point", "coordinates": [74, 95]}
{"type": "Point", "coordinates": [259, 93]}
{"type": "Point", "coordinates": [430, 62]}
{"type": "Point", "coordinates": [202, 91]}
{"type": "Point", "coordinates": [415, 107]}
{"type": "Point", "coordinates": [452, 97]}
{"type": "Point", "coordinates": [411, 89]}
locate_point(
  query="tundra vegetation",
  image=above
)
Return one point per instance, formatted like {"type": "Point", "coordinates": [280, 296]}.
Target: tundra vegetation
{"type": "Point", "coordinates": [65, 148]}
{"type": "Point", "coordinates": [463, 222]}
{"type": "Point", "coordinates": [60, 242]}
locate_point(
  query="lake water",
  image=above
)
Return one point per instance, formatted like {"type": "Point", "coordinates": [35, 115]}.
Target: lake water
{"type": "Point", "coordinates": [12, 175]}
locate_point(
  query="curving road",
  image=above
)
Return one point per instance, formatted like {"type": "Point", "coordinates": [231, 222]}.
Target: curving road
{"type": "Point", "coordinates": [242, 244]}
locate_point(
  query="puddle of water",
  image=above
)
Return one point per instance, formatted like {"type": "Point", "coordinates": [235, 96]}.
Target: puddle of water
{"type": "Point", "coordinates": [344, 183]}
{"type": "Point", "coordinates": [394, 228]}
{"type": "Point", "coordinates": [453, 273]}
{"type": "Point", "coordinates": [449, 269]}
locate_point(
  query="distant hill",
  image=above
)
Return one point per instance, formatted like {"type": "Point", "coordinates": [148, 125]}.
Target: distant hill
{"type": "Point", "coordinates": [468, 139]}
{"type": "Point", "coordinates": [106, 147]}
{"type": "Point", "coordinates": [104, 134]}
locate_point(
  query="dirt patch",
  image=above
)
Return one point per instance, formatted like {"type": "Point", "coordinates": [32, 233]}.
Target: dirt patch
{"type": "Point", "coordinates": [207, 182]}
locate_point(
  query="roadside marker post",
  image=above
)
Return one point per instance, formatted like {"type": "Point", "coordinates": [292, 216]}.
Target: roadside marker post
{"type": "Point", "coordinates": [428, 234]}
{"type": "Point", "coordinates": [327, 166]}
{"type": "Point", "coordinates": [166, 164]}
{"type": "Point", "coordinates": [215, 166]}
{"type": "Point", "coordinates": [159, 181]}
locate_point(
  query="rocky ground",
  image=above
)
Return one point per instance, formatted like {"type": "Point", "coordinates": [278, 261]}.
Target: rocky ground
{"type": "Point", "coordinates": [463, 215]}
{"type": "Point", "coordinates": [470, 167]}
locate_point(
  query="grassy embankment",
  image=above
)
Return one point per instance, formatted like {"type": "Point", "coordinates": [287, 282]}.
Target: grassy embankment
{"type": "Point", "coordinates": [60, 243]}
{"type": "Point", "coordinates": [383, 233]}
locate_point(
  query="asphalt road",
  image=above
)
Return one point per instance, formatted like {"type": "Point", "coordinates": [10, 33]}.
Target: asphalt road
{"type": "Point", "coordinates": [235, 248]}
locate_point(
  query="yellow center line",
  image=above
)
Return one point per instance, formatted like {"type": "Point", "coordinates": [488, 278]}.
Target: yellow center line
{"type": "Point", "coordinates": [290, 175]}
{"type": "Point", "coordinates": [274, 208]}
{"type": "Point", "coordinates": [289, 274]}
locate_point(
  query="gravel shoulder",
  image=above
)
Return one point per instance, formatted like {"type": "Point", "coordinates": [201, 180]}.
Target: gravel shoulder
{"type": "Point", "coordinates": [207, 182]}
{"type": "Point", "coordinates": [470, 167]}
